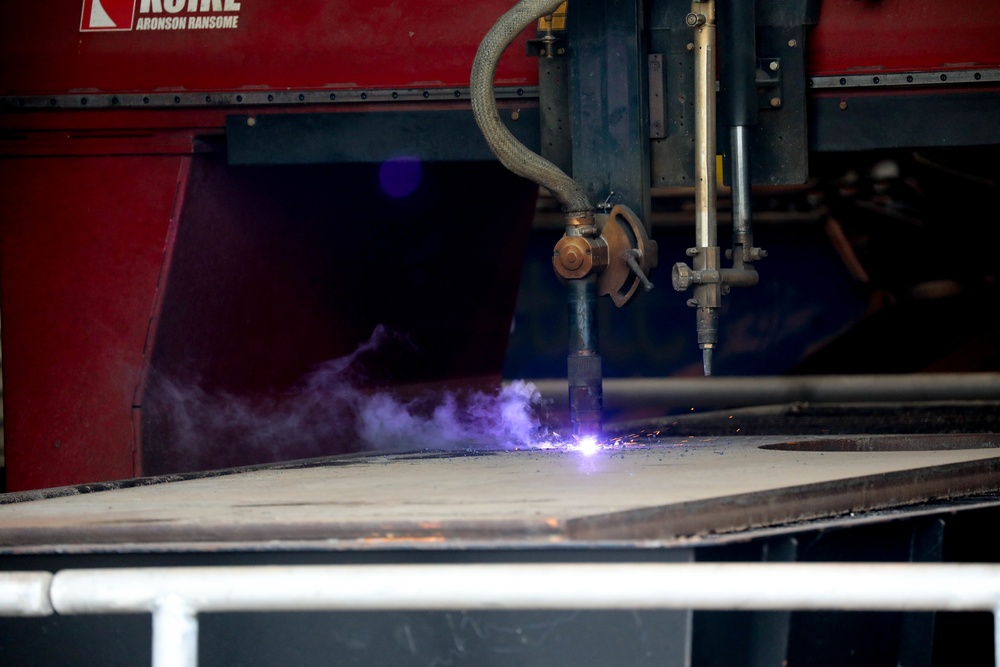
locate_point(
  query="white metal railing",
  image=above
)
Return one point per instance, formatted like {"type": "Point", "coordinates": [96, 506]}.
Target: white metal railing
{"type": "Point", "coordinates": [25, 593]}
{"type": "Point", "coordinates": [175, 596]}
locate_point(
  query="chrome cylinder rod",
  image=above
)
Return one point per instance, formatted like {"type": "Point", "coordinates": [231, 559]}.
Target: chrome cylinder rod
{"type": "Point", "coordinates": [706, 251]}
{"type": "Point", "coordinates": [739, 139]}
{"type": "Point", "coordinates": [706, 228]}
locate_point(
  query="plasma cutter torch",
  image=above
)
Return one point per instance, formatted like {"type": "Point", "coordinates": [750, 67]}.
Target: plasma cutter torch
{"type": "Point", "coordinates": [607, 253]}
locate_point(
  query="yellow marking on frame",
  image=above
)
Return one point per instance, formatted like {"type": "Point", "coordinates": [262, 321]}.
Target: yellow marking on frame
{"type": "Point", "coordinates": [555, 21]}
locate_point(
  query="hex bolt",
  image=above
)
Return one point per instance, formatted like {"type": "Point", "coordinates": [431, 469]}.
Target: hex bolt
{"type": "Point", "coordinates": [775, 102]}
{"type": "Point", "coordinates": [773, 66]}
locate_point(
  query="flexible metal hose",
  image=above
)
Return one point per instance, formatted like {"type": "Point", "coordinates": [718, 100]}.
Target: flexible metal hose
{"type": "Point", "coordinates": [513, 154]}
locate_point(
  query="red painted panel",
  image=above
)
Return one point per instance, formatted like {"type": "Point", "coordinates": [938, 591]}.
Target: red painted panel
{"type": "Point", "coordinates": [50, 47]}
{"type": "Point", "coordinates": [279, 269]}
{"type": "Point", "coordinates": [903, 35]}
{"type": "Point", "coordinates": [307, 44]}
{"type": "Point", "coordinates": [81, 247]}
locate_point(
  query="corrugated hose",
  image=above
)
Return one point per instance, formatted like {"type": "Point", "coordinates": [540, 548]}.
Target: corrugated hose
{"type": "Point", "coordinates": [513, 154]}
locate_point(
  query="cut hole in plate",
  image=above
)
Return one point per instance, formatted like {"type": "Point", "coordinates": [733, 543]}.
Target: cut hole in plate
{"type": "Point", "coordinates": [892, 443]}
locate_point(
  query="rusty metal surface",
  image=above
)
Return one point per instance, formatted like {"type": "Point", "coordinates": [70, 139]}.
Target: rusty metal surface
{"type": "Point", "coordinates": [670, 490]}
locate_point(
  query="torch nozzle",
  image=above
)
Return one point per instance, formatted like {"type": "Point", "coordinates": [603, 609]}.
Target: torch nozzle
{"type": "Point", "coordinates": [706, 360]}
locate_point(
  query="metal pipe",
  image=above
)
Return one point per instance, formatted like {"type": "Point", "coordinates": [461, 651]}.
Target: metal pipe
{"type": "Point", "coordinates": [175, 633]}
{"type": "Point", "coordinates": [25, 593]}
{"type": "Point", "coordinates": [734, 586]}
{"type": "Point", "coordinates": [583, 361]}
{"type": "Point", "coordinates": [623, 394]}
{"type": "Point", "coordinates": [176, 595]}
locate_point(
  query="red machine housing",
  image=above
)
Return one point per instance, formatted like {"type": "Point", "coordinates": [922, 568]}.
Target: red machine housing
{"type": "Point", "coordinates": [131, 251]}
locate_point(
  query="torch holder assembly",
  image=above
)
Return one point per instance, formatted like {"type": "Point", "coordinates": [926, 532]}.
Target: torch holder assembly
{"type": "Point", "coordinates": [710, 281]}
{"type": "Point", "coordinates": [600, 254]}
{"type": "Point", "coordinates": [615, 247]}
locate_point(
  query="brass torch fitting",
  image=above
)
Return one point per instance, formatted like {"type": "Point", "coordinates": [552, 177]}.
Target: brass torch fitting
{"type": "Point", "coordinates": [582, 251]}
{"type": "Point", "coordinates": [579, 256]}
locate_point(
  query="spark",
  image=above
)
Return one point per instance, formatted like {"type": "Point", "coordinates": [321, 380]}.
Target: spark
{"type": "Point", "coordinates": [587, 445]}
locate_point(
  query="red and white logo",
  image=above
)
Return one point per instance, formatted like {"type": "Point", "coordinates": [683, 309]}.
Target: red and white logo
{"type": "Point", "coordinates": [107, 15]}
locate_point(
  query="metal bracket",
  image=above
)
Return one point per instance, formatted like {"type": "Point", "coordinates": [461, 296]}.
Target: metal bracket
{"type": "Point", "coordinates": [769, 83]}
{"type": "Point", "coordinates": [549, 46]}
{"type": "Point", "coordinates": [657, 98]}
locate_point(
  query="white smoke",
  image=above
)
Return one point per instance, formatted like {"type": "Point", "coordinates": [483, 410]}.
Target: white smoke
{"type": "Point", "coordinates": [331, 411]}
{"type": "Point", "coordinates": [506, 419]}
